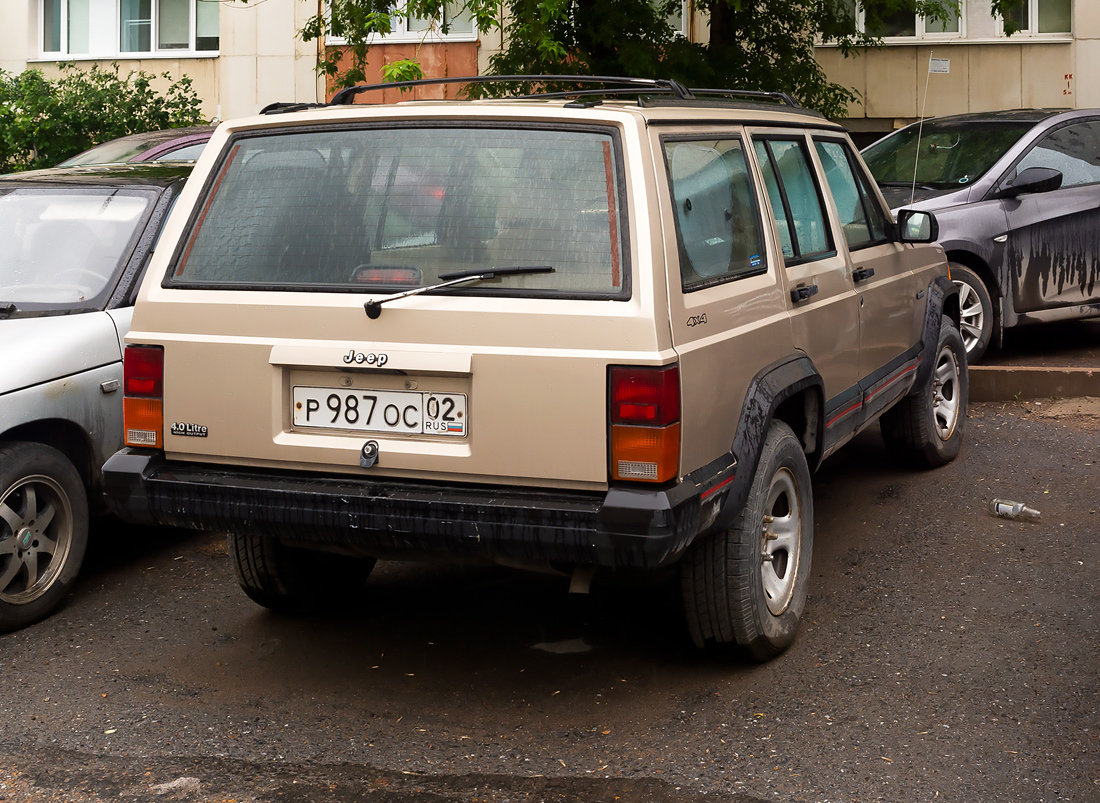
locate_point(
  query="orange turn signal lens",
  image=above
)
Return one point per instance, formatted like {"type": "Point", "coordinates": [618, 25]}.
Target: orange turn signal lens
{"type": "Point", "coordinates": [645, 454]}
{"type": "Point", "coordinates": [143, 422]}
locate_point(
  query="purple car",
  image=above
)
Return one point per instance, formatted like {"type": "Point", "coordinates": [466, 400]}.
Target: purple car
{"type": "Point", "coordinates": [173, 144]}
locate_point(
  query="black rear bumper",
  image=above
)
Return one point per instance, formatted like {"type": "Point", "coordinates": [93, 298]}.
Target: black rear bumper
{"type": "Point", "coordinates": [622, 528]}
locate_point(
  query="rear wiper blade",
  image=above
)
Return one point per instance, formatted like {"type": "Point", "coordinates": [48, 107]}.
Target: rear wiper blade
{"type": "Point", "coordinates": [374, 307]}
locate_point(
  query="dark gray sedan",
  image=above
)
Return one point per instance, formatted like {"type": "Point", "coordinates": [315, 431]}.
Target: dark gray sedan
{"type": "Point", "coordinates": [1017, 197]}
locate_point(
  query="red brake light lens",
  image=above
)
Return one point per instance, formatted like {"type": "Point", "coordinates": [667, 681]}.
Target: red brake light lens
{"type": "Point", "coordinates": [143, 371]}
{"type": "Point", "coordinates": [645, 395]}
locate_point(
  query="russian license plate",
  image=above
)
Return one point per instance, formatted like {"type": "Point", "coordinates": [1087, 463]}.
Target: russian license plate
{"type": "Point", "coordinates": [406, 412]}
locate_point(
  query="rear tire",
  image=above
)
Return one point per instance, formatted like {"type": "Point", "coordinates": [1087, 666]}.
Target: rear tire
{"type": "Point", "coordinates": [43, 531]}
{"type": "Point", "coordinates": [294, 580]}
{"type": "Point", "coordinates": [975, 311]}
{"type": "Point", "coordinates": [745, 589]}
{"type": "Point", "coordinates": [926, 427]}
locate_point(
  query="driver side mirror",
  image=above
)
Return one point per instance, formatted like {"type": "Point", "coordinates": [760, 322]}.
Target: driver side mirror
{"type": "Point", "coordinates": [1033, 179]}
{"type": "Point", "coordinates": [917, 226]}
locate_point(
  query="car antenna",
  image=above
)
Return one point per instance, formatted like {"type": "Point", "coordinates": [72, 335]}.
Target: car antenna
{"type": "Point", "coordinates": [920, 129]}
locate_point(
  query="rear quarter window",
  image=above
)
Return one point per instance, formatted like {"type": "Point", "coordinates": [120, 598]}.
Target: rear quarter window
{"type": "Point", "coordinates": [718, 225]}
{"type": "Point", "coordinates": [397, 207]}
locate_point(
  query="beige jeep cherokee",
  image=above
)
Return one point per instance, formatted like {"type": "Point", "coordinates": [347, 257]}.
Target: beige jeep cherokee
{"type": "Point", "coordinates": [584, 333]}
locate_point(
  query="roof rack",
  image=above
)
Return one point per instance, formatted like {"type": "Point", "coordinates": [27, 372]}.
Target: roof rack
{"type": "Point", "coordinates": [613, 85]}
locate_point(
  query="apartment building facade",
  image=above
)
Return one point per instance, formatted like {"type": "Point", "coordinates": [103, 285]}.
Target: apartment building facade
{"type": "Point", "coordinates": [969, 65]}
{"type": "Point", "coordinates": [242, 56]}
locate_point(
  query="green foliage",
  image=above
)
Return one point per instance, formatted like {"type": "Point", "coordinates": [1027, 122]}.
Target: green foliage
{"type": "Point", "coordinates": [44, 121]}
{"type": "Point", "coordinates": [754, 44]}
{"type": "Point", "coordinates": [403, 70]}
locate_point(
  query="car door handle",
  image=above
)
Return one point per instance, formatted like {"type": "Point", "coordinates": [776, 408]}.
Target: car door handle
{"type": "Point", "coordinates": [863, 274]}
{"type": "Point", "coordinates": [804, 292]}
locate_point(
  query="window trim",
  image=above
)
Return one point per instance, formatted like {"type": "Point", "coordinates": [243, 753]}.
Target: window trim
{"type": "Point", "coordinates": [799, 258]}
{"type": "Point", "coordinates": [866, 192]}
{"type": "Point", "coordinates": [115, 51]}
{"type": "Point", "coordinates": [758, 198]}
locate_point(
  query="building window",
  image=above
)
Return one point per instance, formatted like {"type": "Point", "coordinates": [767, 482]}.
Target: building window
{"type": "Point", "coordinates": [457, 25]}
{"type": "Point", "coordinates": [678, 17]}
{"type": "Point", "coordinates": [1040, 16]}
{"type": "Point", "coordinates": [457, 22]}
{"type": "Point", "coordinates": [903, 24]}
{"type": "Point", "coordinates": [110, 28]}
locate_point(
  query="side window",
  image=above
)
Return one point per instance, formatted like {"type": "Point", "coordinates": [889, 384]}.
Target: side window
{"type": "Point", "coordinates": [1074, 150]}
{"type": "Point", "coordinates": [860, 214]}
{"type": "Point", "coordinates": [796, 201]}
{"type": "Point", "coordinates": [717, 218]}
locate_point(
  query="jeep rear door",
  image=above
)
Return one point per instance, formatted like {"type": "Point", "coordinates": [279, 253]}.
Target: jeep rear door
{"type": "Point", "coordinates": [727, 314]}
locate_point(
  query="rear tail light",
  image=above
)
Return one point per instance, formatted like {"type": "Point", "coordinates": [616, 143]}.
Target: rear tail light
{"type": "Point", "coordinates": [644, 423]}
{"type": "Point", "coordinates": [142, 402]}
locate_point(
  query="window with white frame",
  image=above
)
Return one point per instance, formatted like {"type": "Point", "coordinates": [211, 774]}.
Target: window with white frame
{"type": "Point", "coordinates": [112, 28]}
{"type": "Point", "coordinates": [678, 19]}
{"type": "Point", "coordinates": [456, 25]}
{"type": "Point", "coordinates": [1041, 16]}
{"type": "Point", "coordinates": [906, 24]}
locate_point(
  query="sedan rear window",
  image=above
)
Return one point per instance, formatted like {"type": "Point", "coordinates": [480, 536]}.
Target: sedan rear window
{"type": "Point", "coordinates": [389, 209]}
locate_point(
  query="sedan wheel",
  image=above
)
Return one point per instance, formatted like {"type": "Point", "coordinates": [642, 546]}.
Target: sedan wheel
{"type": "Point", "coordinates": [975, 311]}
{"type": "Point", "coordinates": [43, 531]}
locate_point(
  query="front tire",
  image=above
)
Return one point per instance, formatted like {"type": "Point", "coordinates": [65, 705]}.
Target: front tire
{"type": "Point", "coordinates": [43, 531]}
{"type": "Point", "coordinates": [745, 589]}
{"type": "Point", "coordinates": [975, 311]}
{"type": "Point", "coordinates": [294, 580]}
{"type": "Point", "coordinates": [926, 427]}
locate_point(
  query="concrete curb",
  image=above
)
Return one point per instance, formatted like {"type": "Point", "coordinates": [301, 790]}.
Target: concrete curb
{"type": "Point", "coordinates": [1009, 383]}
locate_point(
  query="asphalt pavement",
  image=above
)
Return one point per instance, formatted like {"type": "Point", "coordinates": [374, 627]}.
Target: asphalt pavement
{"type": "Point", "coordinates": [946, 656]}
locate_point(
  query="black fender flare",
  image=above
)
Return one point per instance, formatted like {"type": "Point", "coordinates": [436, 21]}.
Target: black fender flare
{"type": "Point", "coordinates": [942, 299]}
{"type": "Point", "coordinates": [771, 387]}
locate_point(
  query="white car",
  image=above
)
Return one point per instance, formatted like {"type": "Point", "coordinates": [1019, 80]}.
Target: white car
{"type": "Point", "coordinates": [73, 245]}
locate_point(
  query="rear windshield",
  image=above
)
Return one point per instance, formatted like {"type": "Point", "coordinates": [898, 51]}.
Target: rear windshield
{"type": "Point", "coordinates": [387, 210]}
{"type": "Point", "coordinates": [944, 155]}
{"type": "Point", "coordinates": [65, 248]}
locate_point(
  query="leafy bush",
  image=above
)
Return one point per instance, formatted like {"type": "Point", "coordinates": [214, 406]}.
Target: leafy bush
{"type": "Point", "coordinates": [44, 121]}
